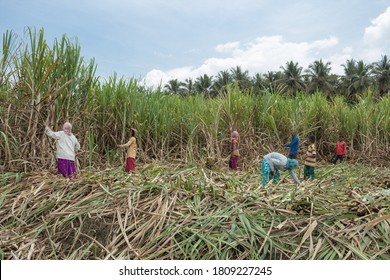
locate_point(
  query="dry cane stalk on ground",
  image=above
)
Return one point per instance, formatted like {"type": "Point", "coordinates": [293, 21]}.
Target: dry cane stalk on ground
{"type": "Point", "coordinates": [191, 212]}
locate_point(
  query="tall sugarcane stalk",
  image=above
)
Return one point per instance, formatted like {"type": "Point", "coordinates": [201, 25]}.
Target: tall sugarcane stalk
{"type": "Point", "coordinates": [56, 84]}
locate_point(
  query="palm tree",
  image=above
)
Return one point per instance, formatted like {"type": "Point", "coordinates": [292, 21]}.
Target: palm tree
{"type": "Point", "coordinates": [319, 77]}
{"type": "Point", "coordinates": [271, 78]}
{"type": "Point", "coordinates": [258, 83]}
{"type": "Point", "coordinates": [356, 79]}
{"type": "Point", "coordinates": [241, 78]}
{"type": "Point", "coordinates": [223, 80]}
{"type": "Point", "coordinates": [204, 84]}
{"type": "Point", "coordinates": [271, 82]}
{"type": "Point", "coordinates": [173, 86]}
{"type": "Point", "coordinates": [188, 86]}
{"type": "Point", "coordinates": [292, 77]}
{"type": "Point", "coordinates": [381, 74]}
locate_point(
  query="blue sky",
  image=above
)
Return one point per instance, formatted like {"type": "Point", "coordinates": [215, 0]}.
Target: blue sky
{"type": "Point", "coordinates": [158, 40]}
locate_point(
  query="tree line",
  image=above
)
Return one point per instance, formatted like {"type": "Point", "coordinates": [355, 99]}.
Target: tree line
{"type": "Point", "coordinates": [291, 78]}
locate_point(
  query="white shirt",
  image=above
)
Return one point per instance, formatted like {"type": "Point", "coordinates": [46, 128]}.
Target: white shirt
{"type": "Point", "coordinates": [278, 161]}
{"type": "Point", "coordinates": [67, 145]}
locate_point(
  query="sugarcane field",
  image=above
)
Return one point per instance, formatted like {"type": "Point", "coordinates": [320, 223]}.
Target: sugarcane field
{"type": "Point", "coordinates": [110, 169]}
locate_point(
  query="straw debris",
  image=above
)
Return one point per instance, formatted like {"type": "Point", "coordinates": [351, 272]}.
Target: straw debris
{"type": "Point", "coordinates": [190, 212]}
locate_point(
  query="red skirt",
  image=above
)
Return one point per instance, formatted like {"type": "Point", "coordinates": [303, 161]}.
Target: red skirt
{"type": "Point", "coordinates": [130, 164]}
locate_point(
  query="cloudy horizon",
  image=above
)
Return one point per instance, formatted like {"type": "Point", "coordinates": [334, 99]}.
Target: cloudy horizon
{"type": "Point", "coordinates": [159, 40]}
{"type": "Point", "coordinates": [270, 53]}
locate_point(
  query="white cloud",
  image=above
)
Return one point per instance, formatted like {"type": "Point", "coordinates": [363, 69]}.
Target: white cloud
{"type": "Point", "coordinates": [379, 30]}
{"type": "Point", "coordinates": [325, 43]}
{"type": "Point", "coordinates": [371, 54]}
{"type": "Point", "coordinates": [264, 54]}
{"type": "Point", "coordinates": [269, 53]}
{"type": "Point", "coordinates": [337, 62]}
{"type": "Point", "coordinates": [376, 38]}
{"type": "Point", "coordinates": [227, 47]}
{"type": "Point", "coordinates": [155, 78]}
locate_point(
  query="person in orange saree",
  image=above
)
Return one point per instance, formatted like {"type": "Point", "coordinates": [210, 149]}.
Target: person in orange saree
{"type": "Point", "coordinates": [131, 152]}
{"type": "Point", "coordinates": [233, 162]}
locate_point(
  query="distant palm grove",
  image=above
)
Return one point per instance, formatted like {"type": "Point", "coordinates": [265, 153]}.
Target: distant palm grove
{"type": "Point", "coordinates": [186, 120]}
{"type": "Point", "coordinates": [358, 77]}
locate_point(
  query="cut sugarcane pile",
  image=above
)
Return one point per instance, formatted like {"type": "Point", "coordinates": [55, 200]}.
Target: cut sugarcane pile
{"type": "Point", "coordinates": [191, 212]}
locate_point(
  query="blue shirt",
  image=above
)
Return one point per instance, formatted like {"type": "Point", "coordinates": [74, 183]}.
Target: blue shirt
{"type": "Point", "coordinates": [293, 145]}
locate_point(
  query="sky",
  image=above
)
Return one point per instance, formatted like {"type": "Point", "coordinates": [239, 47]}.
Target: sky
{"type": "Point", "coordinates": [159, 40]}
